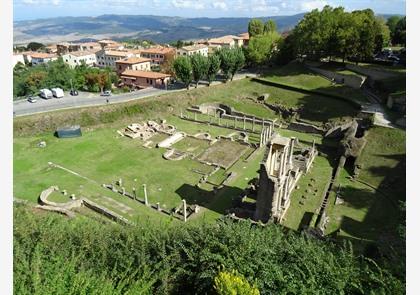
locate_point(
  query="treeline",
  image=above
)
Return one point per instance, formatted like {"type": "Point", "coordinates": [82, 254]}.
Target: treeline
{"type": "Point", "coordinates": [54, 255]}
{"type": "Point", "coordinates": [333, 32]}
{"type": "Point", "coordinates": [28, 80]}
{"type": "Point", "coordinates": [396, 25]}
{"type": "Point", "coordinates": [198, 67]}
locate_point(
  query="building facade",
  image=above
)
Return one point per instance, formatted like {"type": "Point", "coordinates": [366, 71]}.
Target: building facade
{"type": "Point", "coordinates": [76, 58]}
{"type": "Point", "coordinates": [40, 57]}
{"type": "Point", "coordinates": [144, 79]}
{"type": "Point", "coordinates": [193, 49]}
{"type": "Point", "coordinates": [108, 58]}
{"type": "Point", "coordinates": [133, 63]}
{"type": "Point", "coordinates": [158, 55]}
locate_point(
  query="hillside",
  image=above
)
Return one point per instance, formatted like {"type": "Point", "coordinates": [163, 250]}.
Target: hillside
{"type": "Point", "coordinates": [156, 28]}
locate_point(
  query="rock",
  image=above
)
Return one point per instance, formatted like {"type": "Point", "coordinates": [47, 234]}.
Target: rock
{"type": "Point", "coordinates": [42, 144]}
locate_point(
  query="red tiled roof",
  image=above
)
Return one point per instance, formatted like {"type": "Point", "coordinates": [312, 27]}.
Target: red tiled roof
{"type": "Point", "coordinates": [144, 74]}
{"type": "Point", "coordinates": [133, 60]}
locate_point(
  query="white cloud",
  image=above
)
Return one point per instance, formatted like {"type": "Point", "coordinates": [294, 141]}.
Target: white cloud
{"type": "Point", "coordinates": [188, 4]}
{"type": "Point", "coordinates": [220, 5]}
{"type": "Point", "coordinates": [312, 4]}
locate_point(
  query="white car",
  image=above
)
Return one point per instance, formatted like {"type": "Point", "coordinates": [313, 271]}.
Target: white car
{"type": "Point", "coordinates": [57, 92]}
{"type": "Point", "coordinates": [45, 93]}
{"type": "Point", "coordinates": [31, 99]}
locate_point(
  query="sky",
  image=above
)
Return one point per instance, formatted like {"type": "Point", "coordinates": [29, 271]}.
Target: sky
{"type": "Point", "coordinates": [35, 9]}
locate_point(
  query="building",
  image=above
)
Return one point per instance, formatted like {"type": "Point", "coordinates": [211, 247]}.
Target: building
{"type": "Point", "coordinates": [18, 58]}
{"type": "Point", "coordinates": [65, 47]}
{"type": "Point", "coordinates": [76, 58]}
{"type": "Point", "coordinates": [279, 173]}
{"type": "Point", "coordinates": [144, 79]}
{"type": "Point", "coordinates": [245, 39]}
{"type": "Point", "coordinates": [110, 44]}
{"type": "Point", "coordinates": [51, 49]}
{"type": "Point", "coordinates": [193, 49]}
{"type": "Point", "coordinates": [41, 57]}
{"type": "Point", "coordinates": [228, 41]}
{"type": "Point", "coordinates": [158, 55]}
{"type": "Point", "coordinates": [107, 58]}
{"type": "Point", "coordinates": [133, 63]}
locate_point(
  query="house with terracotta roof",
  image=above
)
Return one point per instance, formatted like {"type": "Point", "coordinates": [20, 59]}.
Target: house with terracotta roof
{"type": "Point", "coordinates": [66, 47]}
{"type": "Point", "coordinates": [110, 44]}
{"type": "Point", "coordinates": [245, 38]}
{"type": "Point", "coordinates": [76, 58]}
{"type": "Point", "coordinates": [229, 41]}
{"type": "Point", "coordinates": [41, 57]}
{"type": "Point", "coordinates": [159, 55]}
{"type": "Point", "coordinates": [133, 63]}
{"type": "Point", "coordinates": [193, 49]}
{"type": "Point", "coordinates": [144, 79]}
{"type": "Point", "coordinates": [107, 58]}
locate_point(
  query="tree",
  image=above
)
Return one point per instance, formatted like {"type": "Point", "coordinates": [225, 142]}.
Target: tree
{"type": "Point", "coordinates": [400, 32]}
{"type": "Point", "coordinates": [227, 61]}
{"type": "Point", "coordinates": [239, 60]}
{"type": "Point", "coordinates": [255, 27]}
{"type": "Point", "coordinates": [261, 47]}
{"type": "Point", "coordinates": [232, 283]}
{"type": "Point", "coordinates": [183, 70]}
{"type": "Point", "coordinates": [199, 65]}
{"type": "Point", "coordinates": [270, 27]}
{"type": "Point", "coordinates": [213, 67]}
{"type": "Point", "coordinates": [382, 34]}
{"type": "Point", "coordinates": [392, 25]}
{"type": "Point", "coordinates": [34, 46]}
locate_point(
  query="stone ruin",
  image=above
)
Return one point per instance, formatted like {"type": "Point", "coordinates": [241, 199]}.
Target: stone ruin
{"type": "Point", "coordinates": [146, 130]}
{"type": "Point", "coordinates": [279, 173]}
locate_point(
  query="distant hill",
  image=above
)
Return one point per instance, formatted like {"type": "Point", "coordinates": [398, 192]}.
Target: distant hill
{"type": "Point", "coordinates": [162, 29]}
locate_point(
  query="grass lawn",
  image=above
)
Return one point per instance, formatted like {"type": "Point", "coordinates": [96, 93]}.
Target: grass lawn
{"type": "Point", "coordinates": [367, 213]}
{"type": "Point", "coordinates": [295, 74]}
{"type": "Point", "coordinates": [299, 215]}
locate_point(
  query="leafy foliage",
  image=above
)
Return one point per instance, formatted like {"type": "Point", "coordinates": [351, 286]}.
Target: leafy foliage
{"type": "Point", "coordinates": [54, 255]}
{"type": "Point", "coordinates": [213, 67]}
{"type": "Point", "coordinates": [231, 60]}
{"type": "Point", "coordinates": [232, 283]}
{"type": "Point", "coordinates": [255, 27]}
{"type": "Point", "coordinates": [199, 64]}
{"type": "Point", "coordinates": [183, 70]}
{"type": "Point", "coordinates": [334, 32]}
{"type": "Point", "coordinates": [29, 80]}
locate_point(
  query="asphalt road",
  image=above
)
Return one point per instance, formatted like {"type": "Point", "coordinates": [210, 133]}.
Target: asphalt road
{"type": "Point", "coordinates": [23, 107]}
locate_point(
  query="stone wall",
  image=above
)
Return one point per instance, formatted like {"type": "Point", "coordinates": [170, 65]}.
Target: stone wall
{"type": "Point", "coordinates": [305, 128]}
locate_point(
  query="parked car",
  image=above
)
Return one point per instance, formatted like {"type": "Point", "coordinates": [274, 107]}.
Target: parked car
{"type": "Point", "coordinates": [31, 99]}
{"type": "Point", "coordinates": [74, 93]}
{"type": "Point", "coordinates": [106, 93]}
{"type": "Point", "coordinates": [45, 93]}
{"type": "Point", "coordinates": [57, 92]}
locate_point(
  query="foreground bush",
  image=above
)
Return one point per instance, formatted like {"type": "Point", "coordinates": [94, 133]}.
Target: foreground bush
{"type": "Point", "coordinates": [55, 255]}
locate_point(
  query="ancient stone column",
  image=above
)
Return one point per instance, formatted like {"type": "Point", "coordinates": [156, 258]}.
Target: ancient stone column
{"type": "Point", "coordinates": [120, 182]}
{"type": "Point", "coordinates": [146, 202]}
{"type": "Point", "coordinates": [313, 145]}
{"type": "Point", "coordinates": [184, 210]}
{"type": "Point", "coordinates": [123, 191]}
{"type": "Point", "coordinates": [244, 123]}
{"type": "Point", "coordinates": [253, 123]}
{"type": "Point", "coordinates": [261, 139]}
{"type": "Point", "coordinates": [182, 116]}
{"type": "Point", "coordinates": [292, 144]}
{"type": "Point", "coordinates": [158, 206]}
{"type": "Point", "coordinates": [281, 164]}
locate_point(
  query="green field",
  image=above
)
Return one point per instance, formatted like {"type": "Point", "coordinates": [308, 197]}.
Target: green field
{"type": "Point", "coordinates": [295, 74]}
{"type": "Point", "coordinates": [370, 208]}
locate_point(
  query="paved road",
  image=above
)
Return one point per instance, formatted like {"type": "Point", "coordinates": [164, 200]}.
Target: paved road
{"type": "Point", "coordinates": [23, 107]}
